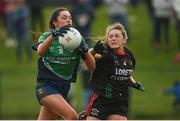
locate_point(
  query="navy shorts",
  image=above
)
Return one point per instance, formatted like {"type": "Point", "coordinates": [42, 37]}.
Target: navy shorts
{"type": "Point", "coordinates": [45, 88]}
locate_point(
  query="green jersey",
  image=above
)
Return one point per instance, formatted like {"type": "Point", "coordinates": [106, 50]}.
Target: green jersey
{"type": "Point", "coordinates": [59, 60]}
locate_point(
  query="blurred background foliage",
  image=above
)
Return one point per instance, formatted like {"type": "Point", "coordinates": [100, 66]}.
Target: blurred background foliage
{"type": "Point", "coordinates": [155, 70]}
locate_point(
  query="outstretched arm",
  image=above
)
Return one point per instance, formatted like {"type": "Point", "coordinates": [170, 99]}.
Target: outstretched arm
{"type": "Point", "coordinates": [135, 84]}
{"type": "Point", "coordinates": [95, 55]}
{"type": "Point", "coordinates": [99, 50]}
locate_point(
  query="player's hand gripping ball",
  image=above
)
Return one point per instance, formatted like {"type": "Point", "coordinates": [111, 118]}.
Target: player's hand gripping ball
{"type": "Point", "coordinates": [71, 40]}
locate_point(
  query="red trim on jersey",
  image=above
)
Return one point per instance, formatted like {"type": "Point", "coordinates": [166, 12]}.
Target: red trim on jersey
{"type": "Point", "coordinates": [91, 102]}
{"type": "Point", "coordinates": [120, 52]}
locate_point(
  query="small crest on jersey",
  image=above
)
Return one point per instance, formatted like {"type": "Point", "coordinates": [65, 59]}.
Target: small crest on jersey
{"type": "Point", "coordinates": [41, 92]}
{"type": "Point", "coordinates": [125, 63]}
{"type": "Point", "coordinates": [94, 112]}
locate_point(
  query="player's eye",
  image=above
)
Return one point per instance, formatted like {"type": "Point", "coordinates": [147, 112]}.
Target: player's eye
{"type": "Point", "coordinates": [117, 35]}
{"type": "Point", "coordinates": [70, 17]}
{"type": "Point", "coordinates": [64, 17]}
{"type": "Point", "coordinates": [110, 36]}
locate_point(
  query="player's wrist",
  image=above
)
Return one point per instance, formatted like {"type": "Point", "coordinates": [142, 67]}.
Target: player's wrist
{"type": "Point", "coordinates": [53, 32]}
{"type": "Point", "coordinates": [138, 86]}
{"type": "Point", "coordinates": [85, 50]}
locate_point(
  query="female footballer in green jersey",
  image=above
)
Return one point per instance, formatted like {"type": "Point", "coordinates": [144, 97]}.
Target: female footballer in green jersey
{"type": "Point", "coordinates": [57, 68]}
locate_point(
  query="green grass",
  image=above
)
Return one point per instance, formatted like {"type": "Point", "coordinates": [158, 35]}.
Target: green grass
{"type": "Point", "coordinates": [154, 70]}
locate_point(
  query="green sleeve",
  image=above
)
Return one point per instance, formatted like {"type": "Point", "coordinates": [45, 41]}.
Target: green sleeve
{"type": "Point", "coordinates": [43, 37]}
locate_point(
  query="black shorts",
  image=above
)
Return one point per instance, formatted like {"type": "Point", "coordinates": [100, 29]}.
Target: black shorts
{"type": "Point", "coordinates": [101, 107]}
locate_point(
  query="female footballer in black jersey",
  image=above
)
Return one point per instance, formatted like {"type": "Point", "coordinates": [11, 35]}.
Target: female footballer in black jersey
{"type": "Point", "coordinates": [113, 74]}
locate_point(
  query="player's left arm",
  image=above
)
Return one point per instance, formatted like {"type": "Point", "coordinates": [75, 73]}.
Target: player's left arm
{"type": "Point", "coordinates": [86, 55]}
{"type": "Point", "coordinates": [135, 84]}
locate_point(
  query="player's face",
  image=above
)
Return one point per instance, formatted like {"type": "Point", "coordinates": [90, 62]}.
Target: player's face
{"type": "Point", "coordinates": [63, 19]}
{"type": "Point", "coordinates": [115, 39]}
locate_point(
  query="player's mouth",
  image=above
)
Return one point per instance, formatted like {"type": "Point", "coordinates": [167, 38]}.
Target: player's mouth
{"type": "Point", "coordinates": [113, 43]}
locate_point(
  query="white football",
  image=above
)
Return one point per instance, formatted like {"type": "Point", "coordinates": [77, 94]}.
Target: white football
{"type": "Point", "coordinates": [71, 40]}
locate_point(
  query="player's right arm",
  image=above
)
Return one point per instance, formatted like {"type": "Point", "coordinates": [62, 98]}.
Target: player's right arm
{"type": "Point", "coordinates": [95, 55]}
{"type": "Point", "coordinates": [99, 50]}
{"type": "Point", "coordinates": [48, 38]}
{"type": "Point", "coordinates": [43, 47]}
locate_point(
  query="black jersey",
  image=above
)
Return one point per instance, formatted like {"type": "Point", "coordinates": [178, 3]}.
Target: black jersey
{"type": "Point", "coordinates": [110, 78]}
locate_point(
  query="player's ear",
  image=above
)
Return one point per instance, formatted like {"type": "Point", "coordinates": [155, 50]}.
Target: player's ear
{"type": "Point", "coordinates": [55, 23]}
{"type": "Point", "coordinates": [124, 41]}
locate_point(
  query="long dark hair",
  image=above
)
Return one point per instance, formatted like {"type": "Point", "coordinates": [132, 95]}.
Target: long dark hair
{"type": "Point", "coordinates": [54, 16]}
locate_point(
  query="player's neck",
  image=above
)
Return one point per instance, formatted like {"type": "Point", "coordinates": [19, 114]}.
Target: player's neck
{"type": "Point", "coordinates": [119, 52]}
